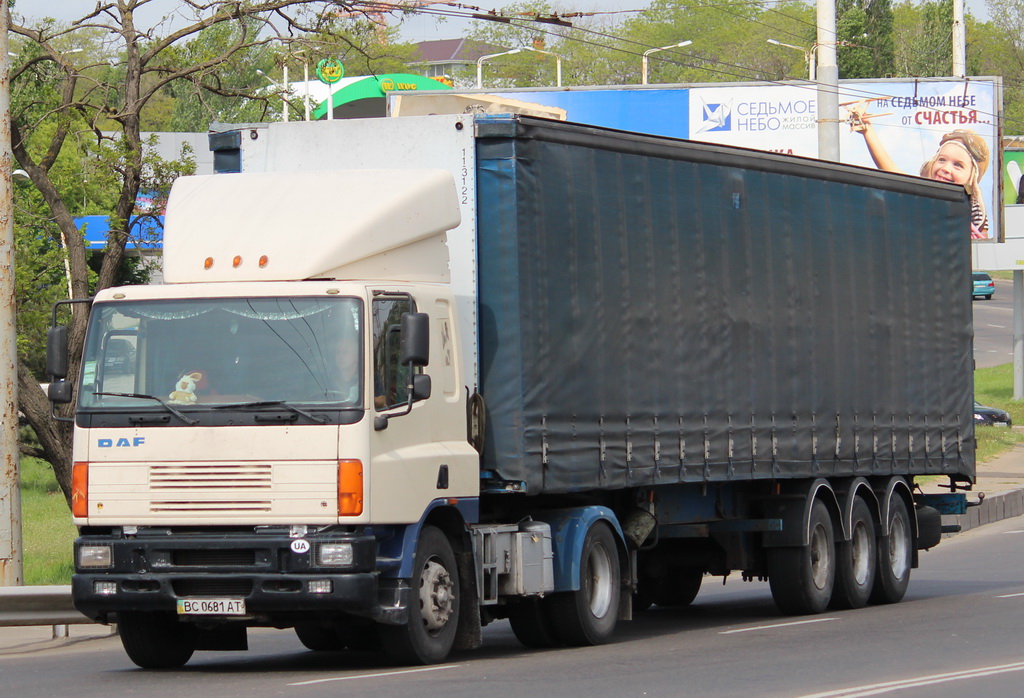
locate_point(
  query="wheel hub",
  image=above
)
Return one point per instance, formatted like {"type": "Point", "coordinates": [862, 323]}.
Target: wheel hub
{"type": "Point", "coordinates": [436, 597]}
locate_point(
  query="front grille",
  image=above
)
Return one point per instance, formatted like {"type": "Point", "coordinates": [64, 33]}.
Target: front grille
{"type": "Point", "coordinates": [212, 587]}
{"type": "Point", "coordinates": [213, 558]}
{"type": "Point", "coordinates": [229, 476]}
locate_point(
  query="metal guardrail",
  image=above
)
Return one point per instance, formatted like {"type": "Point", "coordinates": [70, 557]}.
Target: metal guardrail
{"type": "Point", "coordinates": [38, 605]}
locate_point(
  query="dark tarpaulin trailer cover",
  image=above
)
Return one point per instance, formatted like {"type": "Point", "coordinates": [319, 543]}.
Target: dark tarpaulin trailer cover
{"type": "Point", "coordinates": [656, 311]}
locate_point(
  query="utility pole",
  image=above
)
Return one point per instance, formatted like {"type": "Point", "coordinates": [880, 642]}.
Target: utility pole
{"type": "Point", "coordinates": [10, 493]}
{"type": "Point", "coordinates": [828, 83]}
{"type": "Point", "coordinates": [959, 41]}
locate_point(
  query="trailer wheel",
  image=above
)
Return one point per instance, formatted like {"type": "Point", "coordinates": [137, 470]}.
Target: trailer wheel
{"type": "Point", "coordinates": [587, 616]}
{"type": "Point", "coordinates": [428, 636]}
{"type": "Point", "coordinates": [895, 553]}
{"type": "Point", "coordinates": [679, 588]}
{"type": "Point", "coordinates": [801, 578]}
{"type": "Point", "coordinates": [319, 638]}
{"type": "Point", "coordinates": [156, 640]}
{"type": "Point", "coordinates": [531, 624]}
{"type": "Point", "coordinates": [855, 561]}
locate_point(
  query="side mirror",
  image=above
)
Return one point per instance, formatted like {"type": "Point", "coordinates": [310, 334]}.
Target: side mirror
{"type": "Point", "coordinates": [59, 392]}
{"type": "Point", "coordinates": [415, 345]}
{"type": "Point", "coordinates": [57, 352]}
{"type": "Point", "coordinates": [420, 387]}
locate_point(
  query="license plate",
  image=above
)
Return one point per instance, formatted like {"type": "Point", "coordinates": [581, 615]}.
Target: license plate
{"type": "Point", "coordinates": [999, 424]}
{"type": "Point", "coordinates": [211, 607]}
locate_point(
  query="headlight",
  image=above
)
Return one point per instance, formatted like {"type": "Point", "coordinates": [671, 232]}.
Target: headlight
{"type": "Point", "coordinates": [95, 556]}
{"type": "Point", "coordinates": [335, 555]}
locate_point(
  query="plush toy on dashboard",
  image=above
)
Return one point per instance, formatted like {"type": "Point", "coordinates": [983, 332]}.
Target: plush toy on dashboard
{"type": "Point", "coordinates": [185, 389]}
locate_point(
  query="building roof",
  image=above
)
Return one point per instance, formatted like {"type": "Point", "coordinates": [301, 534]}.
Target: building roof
{"type": "Point", "coordinates": [453, 50]}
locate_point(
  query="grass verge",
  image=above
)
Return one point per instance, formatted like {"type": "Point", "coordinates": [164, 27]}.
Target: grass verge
{"type": "Point", "coordinates": [46, 530]}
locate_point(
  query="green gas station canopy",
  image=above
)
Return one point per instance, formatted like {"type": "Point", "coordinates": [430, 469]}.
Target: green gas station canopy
{"type": "Point", "coordinates": [364, 95]}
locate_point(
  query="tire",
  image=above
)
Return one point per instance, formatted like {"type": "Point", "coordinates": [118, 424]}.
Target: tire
{"type": "Point", "coordinates": [895, 556]}
{"type": "Point", "coordinates": [587, 616]}
{"type": "Point", "coordinates": [802, 578]}
{"type": "Point", "coordinates": [428, 636]}
{"type": "Point", "coordinates": [856, 560]}
{"type": "Point", "coordinates": [679, 588]}
{"type": "Point", "coordinates": [531, 624]}
{"type": "Point", "coordinates": [319, 638]}
{"type": "Point", "coordinates": [156, 640]}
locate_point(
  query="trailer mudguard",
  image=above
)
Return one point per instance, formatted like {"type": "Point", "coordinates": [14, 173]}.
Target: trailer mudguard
{"type": "Point", "coordinates": [793, 506]}
{"type": "Point", "coordinates": [847, 494]}
{"type": "Point", "coordinates": [568, 531]}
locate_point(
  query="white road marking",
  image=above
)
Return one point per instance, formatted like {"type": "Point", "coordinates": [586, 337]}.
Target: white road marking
{"type": "Point", "coordinates": [776, 625]}
{"type": "Point", "coordinates": [374, 676]}
{"type": "Point", "coordinates": [888, 686]}
{"type": "Point", "coordinates": [1009, 596]}
{"type": "Point", "coordinates": [1018, 530]}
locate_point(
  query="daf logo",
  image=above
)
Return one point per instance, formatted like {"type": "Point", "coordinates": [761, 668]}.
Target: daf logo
{"type": "Point", "coordinates": [121, 443]}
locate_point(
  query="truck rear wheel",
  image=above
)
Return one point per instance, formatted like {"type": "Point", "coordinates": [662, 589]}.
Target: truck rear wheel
{"type": "Point", "coordinates": [801, 578]}
{"type": "Point", "coordinates": [895, 554]}
{"type": "Point", "coordinates": [855, 560]}
{"type": "Point", "coordinates": [428, 636]}
{"type": "Point", "coordinates": [587, 616]}
{"type": "Point", "coordinates": [156, 640]}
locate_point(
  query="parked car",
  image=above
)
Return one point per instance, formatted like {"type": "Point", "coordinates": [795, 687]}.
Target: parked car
{"type": "Point", "coordinates": [984, 286]}
{"type": "Point", "coordinates": [991, 416]}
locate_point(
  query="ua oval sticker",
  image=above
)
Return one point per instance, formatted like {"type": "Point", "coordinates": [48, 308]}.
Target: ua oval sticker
{"type": "Point", "coordinates": [300, 546]}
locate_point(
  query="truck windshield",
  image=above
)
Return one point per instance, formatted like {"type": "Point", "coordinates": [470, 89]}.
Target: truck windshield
{"type": "Point", "coordinates": [202, 352]}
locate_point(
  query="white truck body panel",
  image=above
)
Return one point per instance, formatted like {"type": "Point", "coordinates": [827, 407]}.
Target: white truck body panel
{"type": "Point", "coordinates": [347, 227]}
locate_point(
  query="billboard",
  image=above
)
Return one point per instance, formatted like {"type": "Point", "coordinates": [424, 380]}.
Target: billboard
{"type": "Point", "coordinates": [944, 128]}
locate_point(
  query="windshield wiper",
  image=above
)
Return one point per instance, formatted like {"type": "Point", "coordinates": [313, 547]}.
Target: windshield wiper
{"type": "Point", "coordinates": [176, 413]}
{"type": "Point", "coordinates": [275, 403]}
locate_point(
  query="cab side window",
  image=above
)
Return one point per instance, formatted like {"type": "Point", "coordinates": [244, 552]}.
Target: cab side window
{"type": "Point", "coordinates": [390, 380]}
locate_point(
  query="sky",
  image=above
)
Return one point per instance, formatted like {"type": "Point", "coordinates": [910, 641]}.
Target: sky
{"type": "Point", "coordinates": [415, 28]}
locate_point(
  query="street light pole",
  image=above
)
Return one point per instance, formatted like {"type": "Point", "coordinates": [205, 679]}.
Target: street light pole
{"type": "Point", "coordinates": [480, 64]}
{"type": "Point", "coordinates": [284, 102]}
{"type": "Point", "coordinates": [10, 490]}
{"type": "Point", "coordinates": [558, 62]}
{"type": "Point", "coordinates": [809, 55]}
{"type": "Point", "coordinates": [648, 52]}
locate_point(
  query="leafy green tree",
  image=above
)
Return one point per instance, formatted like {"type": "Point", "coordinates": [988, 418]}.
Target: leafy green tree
{"type": "Point", "coordinates": [864, 29]}
{"type": "Point", "coordinates": [80, 94]}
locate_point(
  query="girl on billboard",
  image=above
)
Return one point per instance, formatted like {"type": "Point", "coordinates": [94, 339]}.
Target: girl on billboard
{"type": "Point", "coordinates": [962, 158]}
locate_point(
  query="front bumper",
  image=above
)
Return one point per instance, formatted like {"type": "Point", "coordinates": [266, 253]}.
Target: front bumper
{"type": "Point", "coordinates": [150, 573]}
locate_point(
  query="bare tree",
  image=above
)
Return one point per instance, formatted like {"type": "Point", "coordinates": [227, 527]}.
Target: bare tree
{"type": "Point", "coordinates": [102, 97]}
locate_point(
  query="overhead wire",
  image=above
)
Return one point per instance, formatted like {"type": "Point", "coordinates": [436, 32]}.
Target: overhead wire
{"type": "Point", "coordinates": [713, 66]}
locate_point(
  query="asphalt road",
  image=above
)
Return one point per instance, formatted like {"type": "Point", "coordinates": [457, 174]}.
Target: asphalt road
{"type": "Point", "coordinates": [993, 327]}
{"type": "Point", "coordinates": [956, 633]}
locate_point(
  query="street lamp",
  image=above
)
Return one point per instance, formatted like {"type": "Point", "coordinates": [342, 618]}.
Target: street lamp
{"type": "Point", "coordinates": [284, 90]}
{"type": "Point", "coordinates": [648, 52]}
{"type": "Point", "coordinates": [480, 64]}
{"type": "Point", "coordinates": [558, 63]}
{"type": "Point", "coordinates": [808, 56]}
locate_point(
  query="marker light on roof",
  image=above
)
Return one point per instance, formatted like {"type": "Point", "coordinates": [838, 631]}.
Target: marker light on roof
{"type": "Point", "coordinates": [264, 261]}
{"type": "Point", "coordinates": [237, 261]}
{"type": "Point", "coordinates": [208, 263]}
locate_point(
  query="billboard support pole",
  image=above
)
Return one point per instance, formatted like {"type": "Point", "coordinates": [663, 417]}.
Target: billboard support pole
{"type": "Point", "coordinates": [1018, 334]}
{"type": "Point", "coordinates": [828, 82]}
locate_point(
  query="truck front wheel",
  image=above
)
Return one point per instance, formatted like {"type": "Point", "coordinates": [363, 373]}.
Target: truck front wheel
{"type": "Point", "coordinates": [587, 616]}
{"type": "Point", "coordinates": [801, 578]}
{"type": "Point", "coordinates": [156, 640]}
{"type": "Point", "coordinates": [428, 636]}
